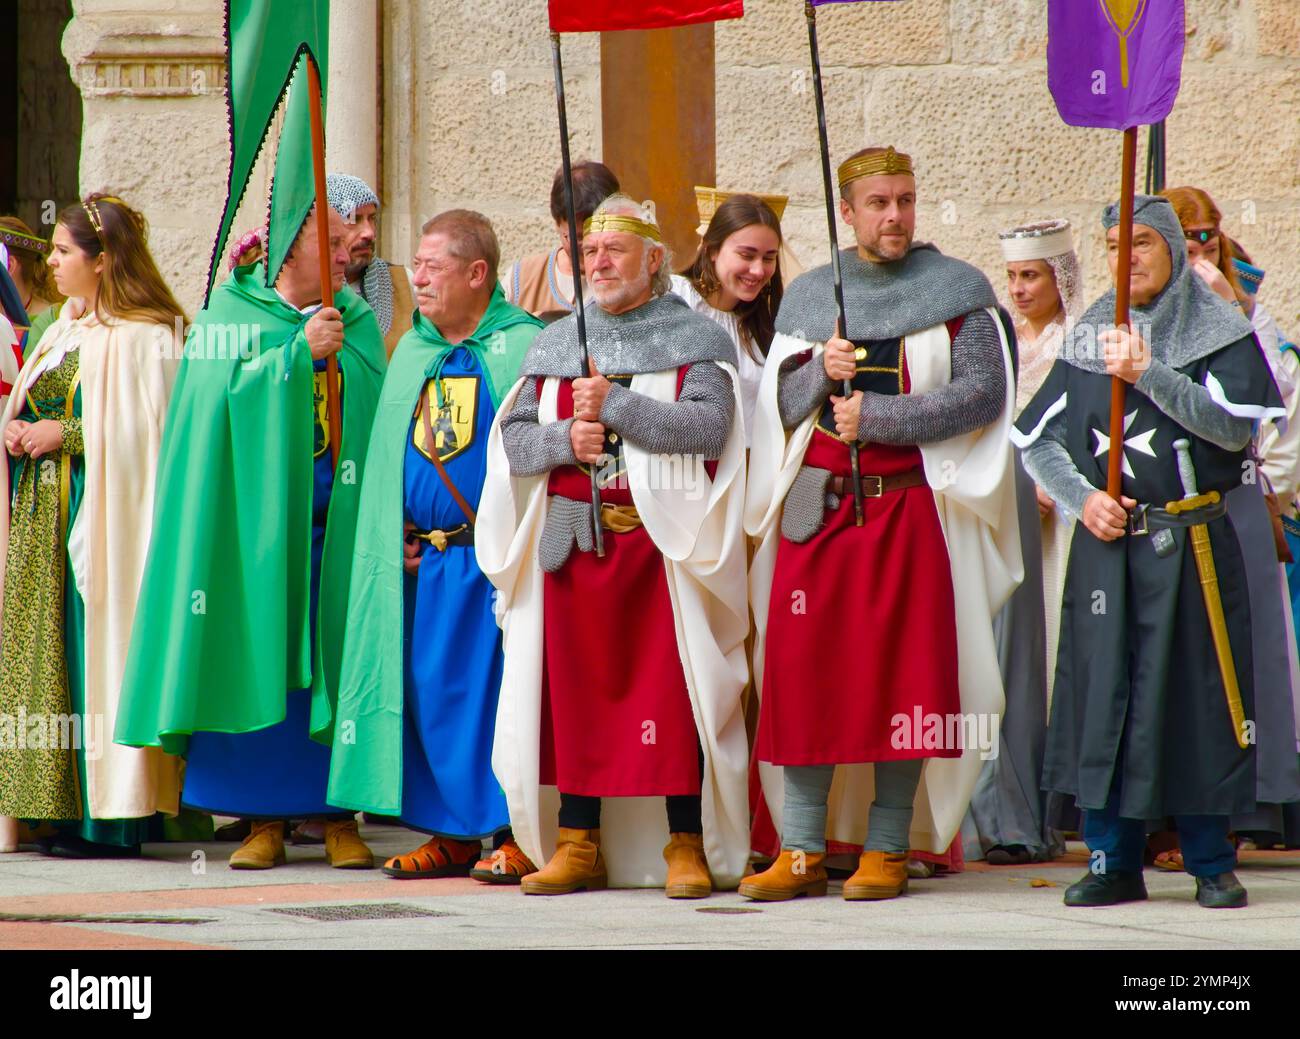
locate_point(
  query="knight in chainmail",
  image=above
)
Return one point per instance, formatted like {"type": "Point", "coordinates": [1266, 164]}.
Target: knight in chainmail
{"type": "Point", "coordinates": [385, 286]}
{"type": "Point", "coordinates": [612, 660]}
{"type": "Point", "coordinates": [925, 352]}
{"type": "Point", "coordinates": [1142, 725]}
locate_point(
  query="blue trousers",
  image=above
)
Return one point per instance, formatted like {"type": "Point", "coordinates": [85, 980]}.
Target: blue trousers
{"type": "Point", "coordinates": [1203, 839]}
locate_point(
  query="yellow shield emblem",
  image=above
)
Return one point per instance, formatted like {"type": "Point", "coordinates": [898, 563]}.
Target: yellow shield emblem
{"type": "Point", "coordinates": [320, 412]}
{"type": "Point", "coordinates": [453, 422]}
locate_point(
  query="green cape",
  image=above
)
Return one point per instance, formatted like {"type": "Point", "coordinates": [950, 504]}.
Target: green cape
{"type": "Point", "coordinates": [221, 631]}
{"type": "Point", "coordinates": [366, 764]}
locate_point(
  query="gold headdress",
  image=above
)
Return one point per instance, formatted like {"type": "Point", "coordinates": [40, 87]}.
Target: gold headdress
{"type": "Point", "coordinates": [874, 164]}
{"type": "Point", "coordinates": [622, 222]}
{"type": "Point", "coordinates": [708, 199]}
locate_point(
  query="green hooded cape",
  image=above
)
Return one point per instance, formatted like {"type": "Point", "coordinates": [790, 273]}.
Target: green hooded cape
{"type": "Point", "coordinates": [366, 764]}
{"type": "Point", "coordinates": [221, 631]}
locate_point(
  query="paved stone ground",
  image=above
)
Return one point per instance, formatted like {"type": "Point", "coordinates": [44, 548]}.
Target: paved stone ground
{"type": "Point", "coordinates": [982, 908]}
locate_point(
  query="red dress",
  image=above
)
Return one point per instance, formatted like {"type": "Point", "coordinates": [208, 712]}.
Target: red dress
{"type": "Point", "coordinates": [861, 624]}
{"type": "Point", "coordinates": [616, 715]}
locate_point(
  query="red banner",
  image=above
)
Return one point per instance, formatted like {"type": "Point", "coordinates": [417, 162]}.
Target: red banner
{"type": "Point", "coordinates": [610, 15]}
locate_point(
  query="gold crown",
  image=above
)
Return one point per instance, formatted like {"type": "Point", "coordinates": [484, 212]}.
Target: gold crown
{"type": "Point", "coordinates": [619, 222]}
{"type": "Point", "coordinates": [707, 201]}
{"type": "Point", "coordinates": [873, 165]}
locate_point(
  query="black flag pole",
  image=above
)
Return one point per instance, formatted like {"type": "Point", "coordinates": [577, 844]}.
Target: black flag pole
{"type": "Point", "coordinates": [811, 13]}
{"type": "Point", "coordinates": [575, 261]}
{"type": "Point", "coordinates": [1156, 158]}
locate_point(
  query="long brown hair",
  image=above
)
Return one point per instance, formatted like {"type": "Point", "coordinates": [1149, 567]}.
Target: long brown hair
{"type": "Point", "coordinates": [36, 273]}
{"type": "Point", "coordinates": [757, 318]}
{"type": "Point", "coordinates": [1194, 206]}
{"type": "Point", "coordinates": [130, 287]}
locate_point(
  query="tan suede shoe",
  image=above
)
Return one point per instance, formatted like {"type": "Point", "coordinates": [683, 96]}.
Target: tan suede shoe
{"type": "Point", "coordinates": [263, 848]}
{"type": "Point", "coordinates": [688, 869]}
{"type": "Point", "coordinates": [881, 874]}
{"type": "Point", "coordinates": [794, 873]}
{"type": "Point", "coordinates": [344, 847]}
{"type": "Point", "coordinates": [576, 865]}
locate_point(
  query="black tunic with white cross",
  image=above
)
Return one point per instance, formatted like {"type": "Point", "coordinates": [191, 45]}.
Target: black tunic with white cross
{"type": "Point", "coordinates": [1138, 686]}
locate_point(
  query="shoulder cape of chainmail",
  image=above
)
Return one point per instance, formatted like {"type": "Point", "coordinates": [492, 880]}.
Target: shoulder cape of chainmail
{"type": "Point", "coordinates": [1186, 322]}
{"type": "Point", "coordinates": [662, 334]}
{"type": "Point", "coordinates": [377, 290]}
{"type": "Point", "coordinates": [884, 300]}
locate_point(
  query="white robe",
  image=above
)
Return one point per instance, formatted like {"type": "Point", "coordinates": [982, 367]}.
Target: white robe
{"type": "Point", "coordinates": [974, 494]}
{"type": "Point", "coordinates": [703, 546]}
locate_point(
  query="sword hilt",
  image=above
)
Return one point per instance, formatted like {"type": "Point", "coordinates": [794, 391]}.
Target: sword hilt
{"type": "Point", "coordinates": [1186, 473]}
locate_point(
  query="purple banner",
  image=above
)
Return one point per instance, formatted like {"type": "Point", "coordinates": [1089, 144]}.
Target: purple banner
{"type": "Point", "coordinates": [1114, 63]}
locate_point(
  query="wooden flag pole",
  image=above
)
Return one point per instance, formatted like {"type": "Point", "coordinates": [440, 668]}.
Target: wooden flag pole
{"type": "Point", "coordinates": [1124, 268]}
{"type": "Point", "coordinates": [323, 241]}
{"type": "Point", "coordinates": [810, 12]}
{"type": "Point", "coordinates": [575, 261]}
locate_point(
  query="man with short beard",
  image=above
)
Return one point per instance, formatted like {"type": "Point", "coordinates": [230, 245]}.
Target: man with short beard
{"type": "Point", "coordinates": [385, 286]}
{"type": "Point", "coordinates": [623, 672]}
{"type": "Point", "coordinates": [871, 637]}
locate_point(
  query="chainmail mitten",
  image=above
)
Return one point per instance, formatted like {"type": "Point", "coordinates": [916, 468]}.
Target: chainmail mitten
{"type": "Point", "coordinates": [567, 521]}
{"type": "Point", "coordinates": [805, 505]}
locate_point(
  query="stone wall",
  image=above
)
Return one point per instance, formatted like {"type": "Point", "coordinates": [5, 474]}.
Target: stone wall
{"type": "Point", "coordinates": [469, 120]}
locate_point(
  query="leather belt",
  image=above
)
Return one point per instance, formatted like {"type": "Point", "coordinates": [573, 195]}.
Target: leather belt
{"type": "Point", "coordinates": [1146, 518]}
{"type": "Point", "coordinates": [876, 486]}
{"type": "Point", "coordinates": [440, 539]}
{"type": "Point", "coordinates": [619, 519]}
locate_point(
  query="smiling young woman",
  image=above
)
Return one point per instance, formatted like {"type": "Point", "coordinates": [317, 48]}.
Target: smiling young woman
{"type": "Point", "coordinates": [736, 281]}
{"type": "Point", "coordinates": [83, 429]}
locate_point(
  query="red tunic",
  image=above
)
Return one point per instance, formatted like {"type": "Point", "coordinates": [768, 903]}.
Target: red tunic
{"type": "Point", "coordinates": [616, 715]}
{"type": "Point", "coordinates": [861, 624]}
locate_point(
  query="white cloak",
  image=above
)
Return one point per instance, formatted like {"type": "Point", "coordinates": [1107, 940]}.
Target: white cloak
{"type": "Point", "coordinates": [974, 494]}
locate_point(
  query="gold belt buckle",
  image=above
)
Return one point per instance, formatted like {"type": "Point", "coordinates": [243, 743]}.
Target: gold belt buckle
{"type": "Point", "coordinates": [880, 487]}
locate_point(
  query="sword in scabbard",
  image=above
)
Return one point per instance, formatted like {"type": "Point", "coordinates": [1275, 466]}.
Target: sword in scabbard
{"type": "Point", "coordinates": [1201, 552]}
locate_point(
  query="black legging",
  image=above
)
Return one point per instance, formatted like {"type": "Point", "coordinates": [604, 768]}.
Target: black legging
{"type": "Point", "coordinates": [579, 812]}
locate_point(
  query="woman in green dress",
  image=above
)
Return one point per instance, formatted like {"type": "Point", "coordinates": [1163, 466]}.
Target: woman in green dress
{"type": "Point", "coordinates": [82, 430]}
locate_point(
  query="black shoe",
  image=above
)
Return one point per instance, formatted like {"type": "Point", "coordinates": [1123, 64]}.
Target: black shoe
{"type": "Point", "coordinates": [1008, 855]}
{"type": "Point", "coordinates": [71, 846]}
{"type": "Point", "coordinates": [1106, 889]}
{"type": "Point", "coordinates": [1221, 892]}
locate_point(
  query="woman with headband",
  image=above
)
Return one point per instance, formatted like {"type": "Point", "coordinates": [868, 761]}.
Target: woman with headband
{"type": "Point", "coordinates": [82, 429]}
{"type": "Point", "coordinates": [24, 254]}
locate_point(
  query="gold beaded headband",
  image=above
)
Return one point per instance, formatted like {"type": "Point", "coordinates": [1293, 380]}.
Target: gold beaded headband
{"type": "Point", "coordinates": [886, 162]}
{"type": "Point", "coordinates": [618, 222]}
{"type": "Point", "coordinates": [92, 212]}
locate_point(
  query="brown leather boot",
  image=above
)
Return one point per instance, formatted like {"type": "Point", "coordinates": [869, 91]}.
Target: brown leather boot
{"type": "Point", "coordinates": [576, 865]}
{"type": "Point", "coordinates": [688, 869]}
{"type": "Point", "coordinates": [344, 847]}
{"type": "Point", "coordinates": [262, 848]}
{"type": "Point", "coordinates": [794, 873]}
{"type": "Point", "coordinates": [881, 874]}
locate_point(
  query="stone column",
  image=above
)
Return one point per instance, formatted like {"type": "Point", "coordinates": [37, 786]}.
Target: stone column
{"type": "Point", "coordinates": [352, 132]}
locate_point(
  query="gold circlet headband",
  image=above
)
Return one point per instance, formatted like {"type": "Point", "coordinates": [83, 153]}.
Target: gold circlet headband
{"type": "Point", "coordinates": [886, 162]}
{"type": "Point", "coordinates": [628, 224]}
{"type": "Point", "coordinates": [92, 211]}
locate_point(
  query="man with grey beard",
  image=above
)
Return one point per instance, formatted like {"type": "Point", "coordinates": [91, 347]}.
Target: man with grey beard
{"type": "Point", "coordinates": [623, 670]}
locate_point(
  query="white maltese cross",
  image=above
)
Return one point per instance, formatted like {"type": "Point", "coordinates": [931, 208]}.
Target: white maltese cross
{"type": "Point", "coordinates": [1140, 443]}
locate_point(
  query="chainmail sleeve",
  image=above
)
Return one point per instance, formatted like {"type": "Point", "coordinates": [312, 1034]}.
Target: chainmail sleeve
{"type": "Point", "coordinates": [1191, 406]}
{"type": "Point", "coordinates": [531, 448]}
{"type": "Point", "coordinates": [697, 423]}
{"type": "Point", "coordinates": [973, 398]}
{"type": "Point", "coordinates": [802, 388]}
{"type": "Point", "coordinates": [1049, 463]}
